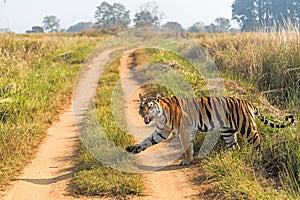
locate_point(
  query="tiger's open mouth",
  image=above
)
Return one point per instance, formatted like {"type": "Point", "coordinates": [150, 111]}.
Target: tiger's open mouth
{"type": "Point", "coordinates": [147, 119]}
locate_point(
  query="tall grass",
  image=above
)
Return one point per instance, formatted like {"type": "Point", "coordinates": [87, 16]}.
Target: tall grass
{"type": "Point", "coordinates": [36, 81]}
{"type": "Point", "coordinates": [269, 60]}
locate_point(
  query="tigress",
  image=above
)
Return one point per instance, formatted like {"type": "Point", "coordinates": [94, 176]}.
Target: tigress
{"type": "Point", "coordinates": [182, 116]}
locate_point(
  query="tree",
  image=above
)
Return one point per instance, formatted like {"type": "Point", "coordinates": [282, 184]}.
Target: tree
{"type": "Point", "coordinates": [175, 26]}
{"type": "Point", "coordinates": [51, 23]}
{"type": "Point", "coordinates": [36, 29]}
{"type": "Point", "coordinates": [223, 24]}
{"type": "Point", "coordinates": [212, 28]}
{"type": "Point", "coordinates": [5, 30]}
{"type": "Point", "coordinates": [81, 26]}
{"type": "Point", "coordinates": [112, 17]}
{"type": "Point", "coordinates": [254, 15]}
{"type": "Point", "coordinates": [243, 13]}
{"type": "Point", "coordinates": [148, 15]}
{"type": "Point", "coordinates": [197, 27]}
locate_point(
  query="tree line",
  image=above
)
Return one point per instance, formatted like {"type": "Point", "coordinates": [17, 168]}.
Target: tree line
{"type": "Point", "coordinates": [109, 18]}
{"type": "Point", "coordinates": [115, 17]}
{"type": "Point", "coordinates": [251, 15]}
{"type": "Point", "coordinates": [266, 15]}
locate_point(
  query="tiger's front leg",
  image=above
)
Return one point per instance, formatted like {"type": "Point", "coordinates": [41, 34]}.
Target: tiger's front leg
{"type": "Point", "coordinates": [155, 138]}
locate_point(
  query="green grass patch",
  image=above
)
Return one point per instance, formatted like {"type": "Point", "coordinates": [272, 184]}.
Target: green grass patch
{"type": "Point", "coordinates": [93, 178]}
{"type": "Point", "coordinates": [103, 181]}
{"type": "Point", "coordinates": [237, 180]}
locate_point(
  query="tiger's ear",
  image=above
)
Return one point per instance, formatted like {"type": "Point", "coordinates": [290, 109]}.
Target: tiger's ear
{"type": "Point", "coordinates": [158, 97]}
{"type": "Point", "coordinates": [141, 96]}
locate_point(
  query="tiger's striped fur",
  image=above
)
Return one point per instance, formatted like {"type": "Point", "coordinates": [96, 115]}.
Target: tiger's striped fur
{"type": "Point", "coordinates": [182, 116]}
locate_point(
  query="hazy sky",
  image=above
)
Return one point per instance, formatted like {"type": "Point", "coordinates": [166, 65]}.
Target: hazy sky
{"type": "Point", "coordinates": [21, 15]}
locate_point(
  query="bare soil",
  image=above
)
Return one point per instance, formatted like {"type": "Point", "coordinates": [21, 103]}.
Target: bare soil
{"type": "Point", "coordinates": [48, 174]}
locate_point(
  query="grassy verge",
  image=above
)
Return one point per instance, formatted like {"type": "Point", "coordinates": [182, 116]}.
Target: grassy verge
{"type": "Point", "coordinates": [169, 81]}
{"type": "Point", "coordinates": [93, 178]}
{"type": "Point", "coordinates": [37, 73]}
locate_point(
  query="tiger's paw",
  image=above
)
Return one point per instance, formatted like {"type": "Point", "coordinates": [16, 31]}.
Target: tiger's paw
{"type": "Point", "coordinates": [185, 163]}
{"type": "Point", "coordinates": [134, 149]}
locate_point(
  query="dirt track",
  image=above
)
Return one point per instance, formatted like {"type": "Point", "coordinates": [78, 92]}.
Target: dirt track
{"type": "Point", "coordinates": [47, 176]}
{"type": "Point", "coordinates": [170, 182]}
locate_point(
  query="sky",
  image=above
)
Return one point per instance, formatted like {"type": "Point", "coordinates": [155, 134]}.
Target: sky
{"type": "Point", "coordinates": [21, 15]}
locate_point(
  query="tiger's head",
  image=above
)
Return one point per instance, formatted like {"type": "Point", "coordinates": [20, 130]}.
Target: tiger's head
{"type": "Point", "coordinates": [149, 108]}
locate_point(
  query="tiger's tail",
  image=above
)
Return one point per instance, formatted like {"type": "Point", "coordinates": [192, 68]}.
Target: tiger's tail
{"type": "Point", "coordinates": [289, 120]}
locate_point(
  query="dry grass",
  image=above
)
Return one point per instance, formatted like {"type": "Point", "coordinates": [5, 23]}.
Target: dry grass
{"type": "Point", "coordinates": [270, 61]}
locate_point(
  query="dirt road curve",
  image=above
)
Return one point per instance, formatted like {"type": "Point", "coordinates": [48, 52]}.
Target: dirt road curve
{"type": "Point", "coordinates": [49, 173]}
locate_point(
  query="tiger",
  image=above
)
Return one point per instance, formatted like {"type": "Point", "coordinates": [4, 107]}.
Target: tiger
{"type": "Point", "coordinates": [183, 116]}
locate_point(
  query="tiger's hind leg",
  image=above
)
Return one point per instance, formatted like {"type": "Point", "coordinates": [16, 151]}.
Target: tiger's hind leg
{"type": "Point", "coordinates": [187, 146]}
{"type": "Point", "coordinates": [230, 137]}
{"type": "Point", "coordinates": [254, 139]}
